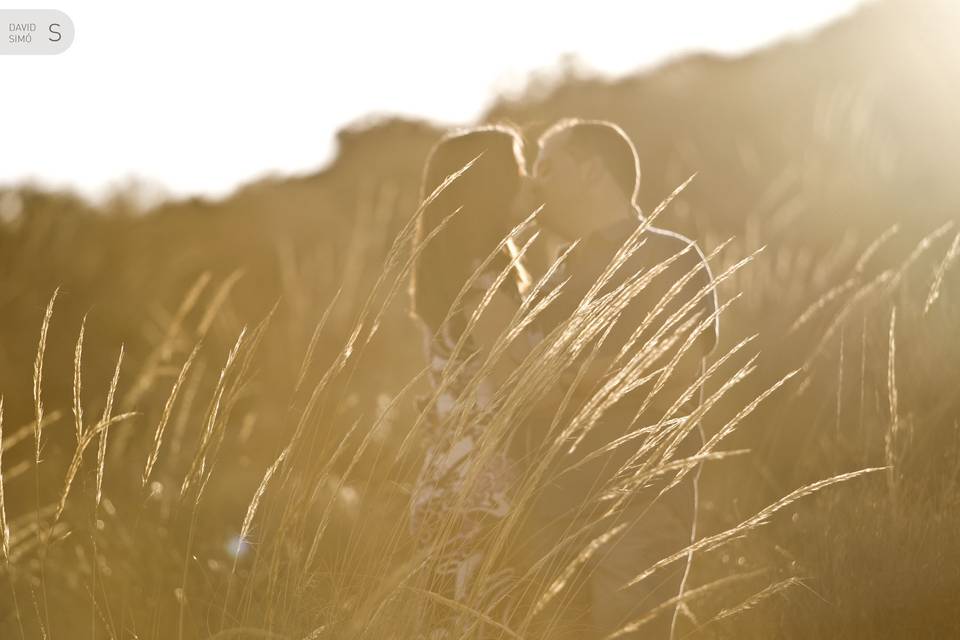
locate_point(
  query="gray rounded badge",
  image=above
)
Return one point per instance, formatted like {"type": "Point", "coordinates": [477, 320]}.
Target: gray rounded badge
{"type": "Point", "coordinates": [35, 31]}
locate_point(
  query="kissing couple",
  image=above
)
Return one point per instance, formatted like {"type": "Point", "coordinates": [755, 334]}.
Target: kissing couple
{"type": "Point", "coordinates": [565, 247]}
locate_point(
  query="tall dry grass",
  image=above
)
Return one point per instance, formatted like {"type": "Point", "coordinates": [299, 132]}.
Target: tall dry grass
{"type": "Point", "coordinates": [185, 524]}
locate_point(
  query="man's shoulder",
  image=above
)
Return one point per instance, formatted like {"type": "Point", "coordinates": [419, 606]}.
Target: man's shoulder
{"type": "Point", "coordinates": [668, 242]}
{"type": "Point", "coordinates": [663, 244]}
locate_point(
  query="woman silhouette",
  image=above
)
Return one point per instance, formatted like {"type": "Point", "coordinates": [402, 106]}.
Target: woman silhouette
{"type": "Point", "coordinates": [453, 481]}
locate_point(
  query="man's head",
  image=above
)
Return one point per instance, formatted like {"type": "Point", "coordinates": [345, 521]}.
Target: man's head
{"type": "Point", "coordinates": [586, 171]}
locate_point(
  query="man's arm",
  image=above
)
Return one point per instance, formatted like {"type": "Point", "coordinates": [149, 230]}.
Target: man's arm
{"type": "Point", "coordinates": [700, 289]}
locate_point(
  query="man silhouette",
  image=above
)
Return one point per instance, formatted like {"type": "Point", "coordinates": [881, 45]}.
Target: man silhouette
{"type": "Point", "coordinates": [586, 176]}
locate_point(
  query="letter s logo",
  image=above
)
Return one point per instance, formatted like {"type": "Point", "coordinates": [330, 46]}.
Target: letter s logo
{"type": "Point", "coordinates": [55, 32]}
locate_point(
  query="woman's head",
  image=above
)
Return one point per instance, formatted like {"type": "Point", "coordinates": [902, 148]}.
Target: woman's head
{"type": "Point", "coordinates": [489, 185]}
{"type": "Point", "coordinates": [477, 203]}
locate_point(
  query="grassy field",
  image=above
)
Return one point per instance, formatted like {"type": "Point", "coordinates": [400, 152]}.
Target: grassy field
{"type": "Point", "coordinates": [208, 421]}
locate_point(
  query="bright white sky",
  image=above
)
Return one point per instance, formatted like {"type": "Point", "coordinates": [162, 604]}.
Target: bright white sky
{"type": "Point", "coordinates": [202, 96]}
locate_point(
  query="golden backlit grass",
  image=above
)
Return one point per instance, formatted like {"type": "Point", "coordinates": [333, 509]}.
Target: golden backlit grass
{"type": "Point", "coordinates": [184, 524]}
